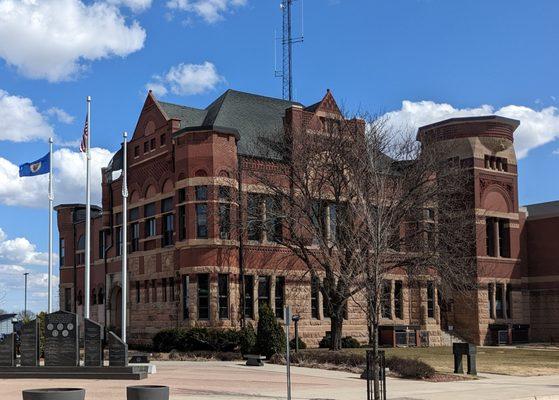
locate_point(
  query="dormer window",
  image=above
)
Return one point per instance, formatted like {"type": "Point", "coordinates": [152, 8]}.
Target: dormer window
{"type": "Point", "coordinates": [496, 163]}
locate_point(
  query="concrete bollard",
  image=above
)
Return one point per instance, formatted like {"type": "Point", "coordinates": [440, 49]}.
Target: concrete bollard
{"type": "Point", "coordinates": [147, 392]}
{"type": "Point", "coordinates": [54, 394]}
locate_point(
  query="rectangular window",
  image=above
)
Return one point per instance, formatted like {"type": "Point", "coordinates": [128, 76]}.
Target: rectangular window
{"type": "Point", "coordinates": [118, 237]}
{"type": "Point", "coordinates": [146, 291]}
{"type": "Point", "coordinates": [101, 244]}
{"type": "Point", "coordinates": [146, 146]}
{"type": "Point", "coordinates": [490, 237]}
{"type": "Point", "coordinates": [150, 227]}
{"type": "Point", "coordinates": [201, 193]}
{"type": "Point", "coordinates": [182, 195]}
{"type": "Point", "coordinates": [154, 290]}
{"type": "Point", "coordinates": [138, 294]}
{"type": "Point", "coordinates": [182, 222]}
{"type": "Point", "coordinates": [223, 289]}
{"type": "Point", "coordinates": [203, 296]}
{"type": "Point", "coordinates": [224, 221]}
{"type": "Point", "coordinates": [254, 217]}
{"type": "Point", "coordinates": [273, 219]}
{"type": "Point", "coordinates": [167, 205]}
{"type": "Point", "coordinates": [134, 214]}
{"type": "Point", "coordinates": [164, 289]}
{"type": "Point", "coordinates": [152, 144]}
{"type": "Point", "coordinates": [249, 296]}
{"type": "Point", "coordinates": [185, 308]}
{"type": "Point", "coordinates": [280, 296]}
{"type": "Point", "coordinates": [162, 140]}
{"type": "Point", "coordinates": [314, 297]}
{"type": "Point", "coordinates": [263, 291]}
{"type": "Point", "coordinates": [62, 251]}
{"type": "Point", "coordinates": [399, 299]}
{"type": "Point", "coordinates": [499, 301]}
{"type": "Point", "coordinates": [135, 233]}
{"type": "Point", "coordinates": [504, 248]}
{"type": "Point", "coordinates": [171, 289]}
{"type": "Point", "coordinates": [509, 301]}
{"type": "Point", "coordinates": [385, 303]}
{"type": "Point", "coordinates": [136, 151]}
{"type": "Point", "coordinates": [201, 221]}
{"type": "Point", "coordinates": [168, 227]}
{"type": "Point", "coordinates": [430, 300]}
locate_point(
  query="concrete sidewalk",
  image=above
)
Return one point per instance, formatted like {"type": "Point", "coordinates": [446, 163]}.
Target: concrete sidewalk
{"type": "Point", "coordinates": [215, 380]}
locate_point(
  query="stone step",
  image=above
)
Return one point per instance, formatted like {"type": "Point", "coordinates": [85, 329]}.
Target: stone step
{"type": "Point", "coordinates": [116, 373]}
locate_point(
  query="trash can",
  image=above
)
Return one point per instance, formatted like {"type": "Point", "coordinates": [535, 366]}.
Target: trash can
{"type": "Point", "coordinates": [54, 394]}
{"type": "Point", "coordinates": [147, 392]}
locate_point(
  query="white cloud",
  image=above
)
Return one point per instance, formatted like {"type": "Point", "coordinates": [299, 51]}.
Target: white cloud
{"type": "Point", "coordinates": [20, 121]}
{"type": "Point", "coordinates": [18, 256]}
{"type": "Point", "coordinates": [536, 127]}
{"type": "Point", "coordinates": [69, 180]}
{"type": "Point", "coordinates": [60, 115]}
{"type": "Point", "coordinates": [187, 79]}
{"type": "Point", "coordinates": [54, 39]}
{"type": "Point", "coordinates": [134, 5]}
{"type": "Point", "coordinates": [210, 10]}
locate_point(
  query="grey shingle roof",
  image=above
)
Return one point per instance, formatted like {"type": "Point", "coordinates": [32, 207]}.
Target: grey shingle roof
{"type": "Point", "coordinates": [543, 210]}
{"type": "Point", "coordinates": [253, 116]}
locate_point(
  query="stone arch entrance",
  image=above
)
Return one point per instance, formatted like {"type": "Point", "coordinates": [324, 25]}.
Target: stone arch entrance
{"type": "Point", "coordinates": [116, 310]}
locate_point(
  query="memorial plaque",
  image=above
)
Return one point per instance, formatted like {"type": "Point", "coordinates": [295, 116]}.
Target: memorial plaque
{"type": "Point", "coordinates": [61, 339]}
{"type": "Point", "coordinates": [118, 351]}
{"type": "Point", "coordinates": [93, 343]}
{"type": "Point", "coordinates": [7, 358]}
{"type": "Point", "coordinates": [29, 347]}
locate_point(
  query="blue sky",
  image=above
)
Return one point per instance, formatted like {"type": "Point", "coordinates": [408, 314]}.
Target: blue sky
{"type": "Point", "coordinates": [442, 58]}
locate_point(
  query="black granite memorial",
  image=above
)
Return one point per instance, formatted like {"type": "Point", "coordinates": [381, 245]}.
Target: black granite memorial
{"type": "Point", "coordinates": [7, 358]}
{"type": "Point", "coordinates": [29, 347]}
{"type": "Point", "coordinates": [93, 343]}
{"type": "Point", "coordinates": [118, 351]}
{"type": "Point", "coordinates": [464, 349]}
{"type": "Point", "coordinates": [61, 339]}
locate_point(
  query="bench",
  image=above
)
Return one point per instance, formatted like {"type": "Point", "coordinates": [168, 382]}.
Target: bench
{"type": "Point", "coordinates": [254, 360]}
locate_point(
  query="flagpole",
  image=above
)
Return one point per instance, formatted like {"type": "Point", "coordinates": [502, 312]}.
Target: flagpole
{"type": "Point", "coordinates": [87, 213]}
{"type": "Point", "coordinates": [51, 198]}
{"type": "Point", "coordinates": [124, 233]}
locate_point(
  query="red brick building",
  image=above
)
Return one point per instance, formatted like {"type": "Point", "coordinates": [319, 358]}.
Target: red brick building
{"type": "Point", "coordinates": [186, 166]}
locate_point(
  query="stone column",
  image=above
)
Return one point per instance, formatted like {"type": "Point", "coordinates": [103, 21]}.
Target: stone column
{"type": "Point", "coordinates": [496, 237]}
{"type": "Point", "coordinates": [437, 309]}
{"type": "Point", "coordinates": [493, 301]}
{"type": "Point", "coordinates": [273, 294]}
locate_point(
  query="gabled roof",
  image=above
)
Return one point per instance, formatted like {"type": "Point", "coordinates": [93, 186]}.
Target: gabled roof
{"type": "Point", "coordinates": [4, 317]}
{"type": "Point", "coordinates": [251, 116]}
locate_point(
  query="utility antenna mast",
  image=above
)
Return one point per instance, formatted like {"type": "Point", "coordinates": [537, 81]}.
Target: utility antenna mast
{"type": "Point", "coordinates": [287, 43]}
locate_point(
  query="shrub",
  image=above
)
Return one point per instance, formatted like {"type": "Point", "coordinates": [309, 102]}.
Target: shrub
{"type": "Point", "coordinates": [196, 339]}
{"type": "Point", "coordinates": [302, 345]}
{"type": "Point", "coordinates": [270, 337]}
{"type": "Point", "coordinates": [350, 343]}
{"type": "Point", "coordinates": [410, 368]}
{"type": "Point", "coordinates": [347, 342]}
{"type": "Point", "coordinates": [247, 339]}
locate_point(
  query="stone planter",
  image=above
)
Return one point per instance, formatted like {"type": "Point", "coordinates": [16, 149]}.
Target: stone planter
{"type": "Point", "coordinates": [147, 392]}
{"type": "Point", "coordinates": [54, 394]}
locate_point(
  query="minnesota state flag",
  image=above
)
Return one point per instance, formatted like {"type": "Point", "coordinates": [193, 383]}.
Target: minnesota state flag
{"type": "Point", "coordinates": [39, 167]}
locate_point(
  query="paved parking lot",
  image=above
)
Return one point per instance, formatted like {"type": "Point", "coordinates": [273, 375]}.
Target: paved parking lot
{"type": "Point", "coordinates": [215, 380]}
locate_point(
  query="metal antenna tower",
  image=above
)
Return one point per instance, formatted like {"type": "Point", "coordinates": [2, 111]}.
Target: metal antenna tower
{"type": "Point", "coordinates": [287, 43]}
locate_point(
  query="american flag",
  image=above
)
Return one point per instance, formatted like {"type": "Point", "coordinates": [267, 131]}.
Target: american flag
{"type": "Point", "coordinates": [83, 144]}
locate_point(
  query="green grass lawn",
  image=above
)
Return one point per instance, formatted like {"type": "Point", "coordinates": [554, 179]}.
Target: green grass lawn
{"type": "Point", "coordinates": [499, 360]}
